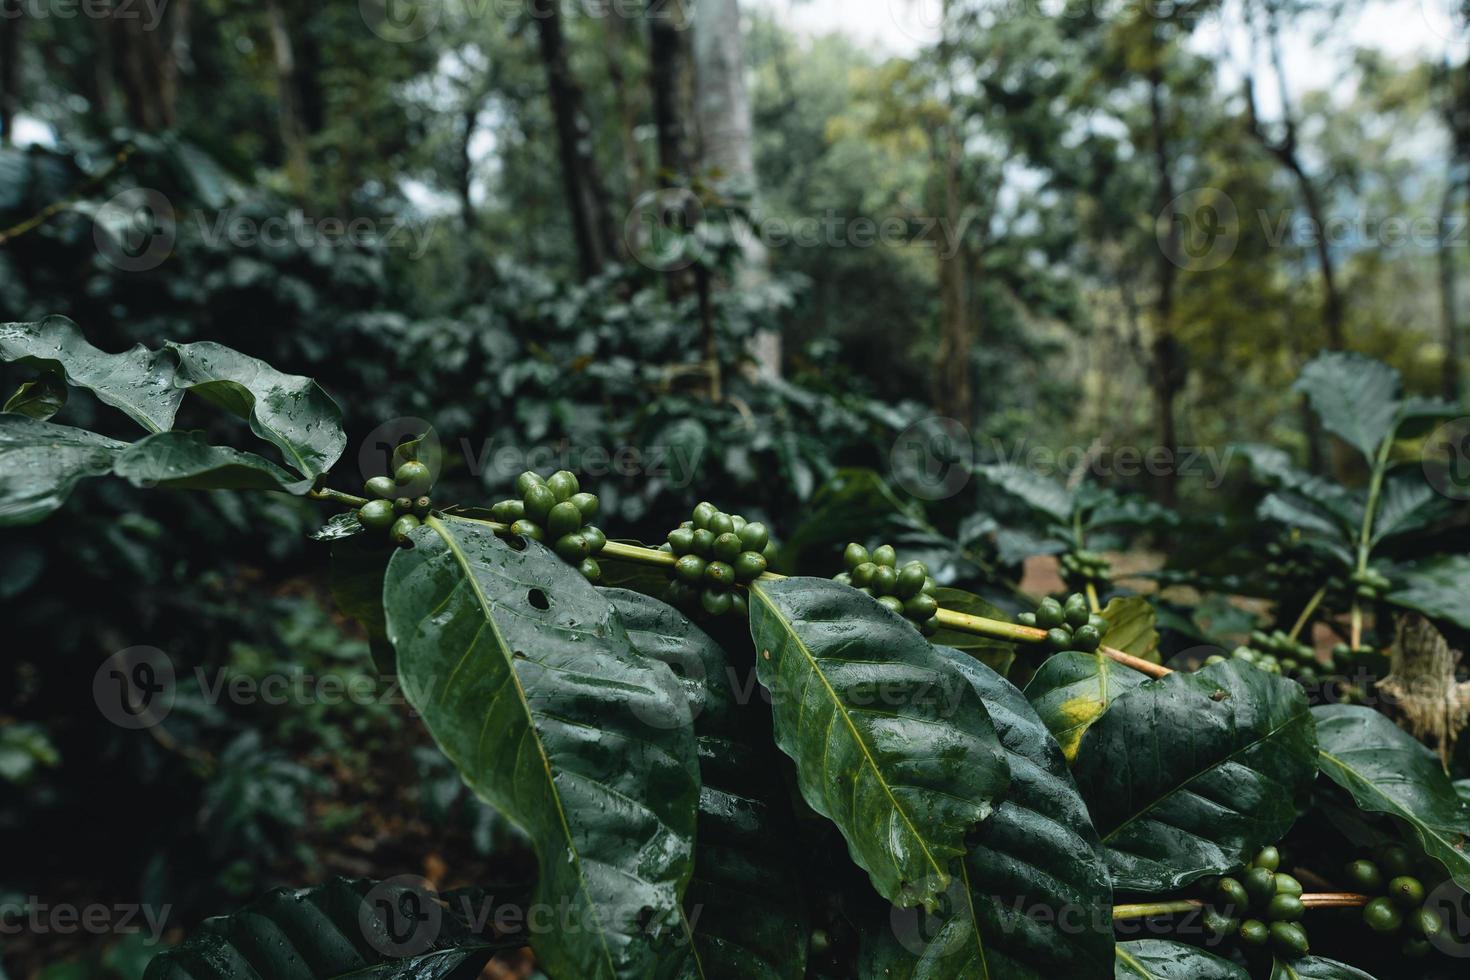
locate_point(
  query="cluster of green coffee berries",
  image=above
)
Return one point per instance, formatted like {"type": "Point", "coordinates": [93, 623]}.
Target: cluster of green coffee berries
{"type": "Point", "coordinates": [1069, 625]}
{"type": "Point", "coordinates": [1278, 653]}
{"type": "Point", "coordinates": [555, 511]}
{"type": "Point", "coordinates": [908, 591]}
{"type": "Point", "coordinates": [1082, 566]}
{"type": "Point", "coordinates": [398, 503]}
{"type": "Point", "coordinates": [1285, 564]}
{"type": "Point", "coordinates": [1261, 906]}
{"type": "Point", "coordinates": [716, 551]}
{"type": "Point", "coordinates": [1398, 908]}
{"type": "Point", "coordinates": [1370, 584]}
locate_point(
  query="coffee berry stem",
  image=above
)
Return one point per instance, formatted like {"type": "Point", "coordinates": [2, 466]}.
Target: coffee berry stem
{"type": "Point", "coordinates": [1317, 900]}
{"type": "Point", "coordinates": [963, 622]}
{"type": "Point", "coordinates": [336, 497]}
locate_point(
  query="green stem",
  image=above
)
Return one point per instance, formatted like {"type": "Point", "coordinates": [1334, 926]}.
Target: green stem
{"type": "Point", "coordinates": [337, 497]}
{"type": "Point", "coordinates": [1307, 611]}
{"type": "Point", "coordinates": [1155, 908]}
{"type": "Point", "coordinates": [1370, 509]}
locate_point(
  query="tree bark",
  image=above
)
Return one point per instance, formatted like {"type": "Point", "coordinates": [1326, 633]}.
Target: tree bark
{"type": "Point", "coordinates": [146, 58]}
{"type": "Point", "coordinates": [289, 111]}
{"type": "Point", "coordinates": [618, 38]}
{"type": "Point", "coordinates": [1449, 314]}
{"type": "Point", "coordinates": [1168, 368]}
{"type": "Point", "coordinates": [726, 141]}
{"type": "Point", "coordinates": [581, 179]}
{"type": "Point", "coordinates": [954, 393]}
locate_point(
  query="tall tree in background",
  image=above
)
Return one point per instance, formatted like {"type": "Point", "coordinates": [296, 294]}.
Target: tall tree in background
{"type": "Point", "coordinates": [726, 140]}
{"type": "Point", "coordinates": [587, 204]}
{"type": "Point", "coordinates": [953, 391]}
{"type": "Point", "coordinates": [1453, 90]}
{"type": "Point", "coordinates": [147, 61]}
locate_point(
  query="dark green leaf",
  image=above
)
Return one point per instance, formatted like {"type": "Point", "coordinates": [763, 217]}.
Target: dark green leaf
{"type": "Point", "coordinates": [1437, 587]}
{"type": "Point", "coordinates": [529, 683]}
{"type": "Point", "coordinates": [1295, 510]}
{"type": "Point", "coordinates": [41, 462]}
{"type": "Point", "coordinates": [1315, 968]}
{"type": "Point", "coordinates": [291, 412]}
{"type": "Point", "coordinates": [388, 930]}
{"type": "Point", "coordinates": [890, 742]}
{"type": "Point", "coordinates": [742, 850]}
{"type": "Point", "coordinates": [1037, 492]}
{"type": "Point", "coordinates": [1031, 899]}
{"type": "Point", "coordinates": [39, 399]}
{"type": "Point", "coordinates": [186, 461]}
{"type": "Point", "coordinates": [1165, 959]}
{"type": "Point", "coordinates": [140, 382]}
{"type": "Point", "coordinates": [1356, 397]}
{"type": "Point", "coordinates": [1071, 690]}
{"type": "Point", "coordinates": [1408, 504]}
{"type": "Point", "coordinates": [355, 578]}
{"type": "Point", "coordinates": [1387, 771]}
{"type": "Point", "coordinates": [1190, 774]}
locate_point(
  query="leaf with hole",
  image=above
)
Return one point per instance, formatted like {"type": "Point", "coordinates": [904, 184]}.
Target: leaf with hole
{"type": "Point", "coordinates": [528, 681]}
{"type": "Point", "coordinates": [890, 742]}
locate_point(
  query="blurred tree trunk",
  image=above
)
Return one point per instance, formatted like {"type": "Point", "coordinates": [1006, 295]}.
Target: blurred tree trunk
{"type": "Point", "coordinates": [953, 391]}
{"type": "Point", "coordinates": [668, 66]}
{"type": "Point", "coordinates": [581, 179]}
{"type": "Point", "coordinates": [722, 107]}
{"type": "Point", "coordinates": [619, 39]}
{"type": "Point", "coordinates": [1449, 319]}
{"type": "Point", "coordinates": [146, 59]}
{"type": "Point", "coordinates": [11, 26]}
{"type": "Point", "coordinates": [289, 110]}
{"type": "Point", "coordinates": [1168, 367]}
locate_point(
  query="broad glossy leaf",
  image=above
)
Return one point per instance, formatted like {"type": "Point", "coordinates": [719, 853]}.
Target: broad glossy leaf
{"type": "Point", "coordinates": [1131, 622]}
{"type": "Point", "coordinates": [1165, 959]}
{"type": "Point", "coordinates": [1295, 510]}
{"type": "Point", "coordinates": [1071, 690]}
{"type": "Point", "coordinates": [1355, 396]}
{"type": "Point", "coordinates": [139, 382]}
{"type": "Point", "coordinates": [1386, 770]}
{"type": "Point", "coordinates": [365, 930]}
{"type": "Point", "coordinates": [1315, 968]}
{"type": "Point", "coordinates": [529, 683]}
{"type": "Point", "coordinates": [998, 655]}
{"type": "Point", "coordinates": [39, 399]}
{"type": "Point", "coordinates": [1035, 491]}
{"type": "Point", "coordinates": [41, 462]}
{"type": "Point", "coordinates": [186, 461]}
{"type": "Point", "coordinates": [289, 411]}
{"type": "Point", "coordinates": [1031, 898]}
{"type": "Point", "coordinates": [1190, 774]}
{"type": "Point", "coordinates": [741, 848]}
{"type": "Point", "coordinates": [890, 742]}
{"type": "Point", "coordinates": [1437, 587]}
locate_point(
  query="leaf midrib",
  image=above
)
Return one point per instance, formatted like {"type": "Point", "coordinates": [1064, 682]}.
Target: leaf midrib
{"type": "Point", "coordinates": [1407, 814]}
{"type": "Point", "coordinates": [485, 606]}
{"type": "Point", "coordinates": [847, 719]}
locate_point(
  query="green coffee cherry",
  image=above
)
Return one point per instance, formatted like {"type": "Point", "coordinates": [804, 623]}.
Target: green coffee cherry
{"type": "Point", "coordinates": [749, 566]}
{"type": "Point", "coordinates": [1284, 908]}
{"type": "Point", "coordinates": [1393, 860]}
{"type": "Point", "coordinates": [1287, 885]}
{"type": "Point", "coordinates": [564, 518]}
{"type": "Point", "coordinates": [590, 570]}
{"type": "Point", "coordinates": [885, 556]}
{"type": "Point", "coordinates": [1260, 884]}
{"type": "Point", "coordinates": [754, 537]}
{"type": "Point", "coordinates": [376, 514]}
{"type": "Point", "coordinates": [862, 575]}
{"type": "Point", "coordinates": [719, 574]}
{"type": "Point", "coordinates": [382, 488]}
{"type": "Point", "coordinates": [402, 527]}
{"type": "Point", "coordinates": [702, 513]}
{"type": "Point", "coordinates": [539, 500]}
{"type": "Point", "coordinates": [1406, 892]}
{"type": "Point", "coordinates": [1254, 932]}
{"type": "Point", "coordinates": [527, 480]}
{"type": "Point", "coordinates": [716, 602]}
{"type": "Point", "coordinates": [690, 568]}
{"type": "Point", "coordinates": [682, 540]}
{"type": "Point", "coordinates": [1364, 876]}
{"type": "Point", "coordinates": [528, 529]}
{"type": "Point", "coordinates": [920, 607]}
{"type": "Point", "coordinates": [1426, 923]}
{"type": "Point", "coordinates": [1231, 894]}
{"type": "Point", "coordinates": [1058, 638]}
{"type": "Point", "coordinates": [891, 602]}
{"type": "Point", "coordinates": [738, 604]}
{"type": "Point", "coordinates": [596, 540]}
{"type": "Point", "coordinates": [413, 476]}
{"type": "Point", "coordinates": [1218, 924]}
{"type": "Point", "coordinates": [855, 555]}
{"type": "Point", "coordinates": [572, 548]}
{"type": "Point", "coordinates": [403, 505]}
{"type": "Point", "coordinates": [1268, 858]}
{"type": "Point", "coordinates": [1049, 615]}
{"type": "Point", "coordinates": [885, 579]}
{"type": "Point", "coordinates": [721, 524]}
{"type": "Point", "coordinates": [421, 507]}
{"type": "Point", "coordinates": [1086, 639]}
{"type": "Point", "coordinates": [563, 483]}
{"type": "Point", "coordinates": [587, 504]}
{"type": "Point", "coordinates": [1026, 619]}
{"type": "Point", "coordinates": [1075, 610]}
{"type": "Point", "coordinates": [1289, 940]}
{"type": "Point", "coordinates": [911, 580]}
{"type": "Point", "coordinates": [1381, 916]}
{"type": "Point", "coordinates": [727, 547]}
{"type": "Point", "coordinates": [704, 542]}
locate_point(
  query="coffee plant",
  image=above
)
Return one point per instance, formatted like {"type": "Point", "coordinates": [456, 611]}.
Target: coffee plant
{"type": "Point", "coordinates": [727, 772]}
